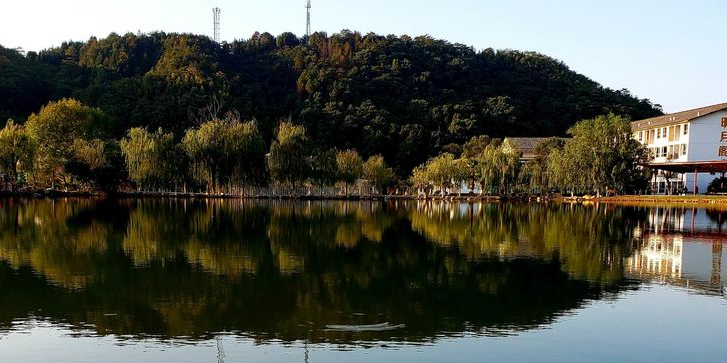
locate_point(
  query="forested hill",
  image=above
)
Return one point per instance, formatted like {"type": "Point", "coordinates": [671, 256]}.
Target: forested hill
{"type": "Point", "coordinates": [406, 98]}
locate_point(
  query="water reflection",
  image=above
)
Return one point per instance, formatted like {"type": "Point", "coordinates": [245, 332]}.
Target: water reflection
{"type": "Point", "coordinates": [682, 246]}
{"type": "Point", "coordinates": [591, 243]}
{"type": "Point", "coordinates": [291, 271]}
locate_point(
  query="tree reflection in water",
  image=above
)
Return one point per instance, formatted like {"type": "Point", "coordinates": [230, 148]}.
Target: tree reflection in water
{"type": "Point", "coordinates": [185, 269]}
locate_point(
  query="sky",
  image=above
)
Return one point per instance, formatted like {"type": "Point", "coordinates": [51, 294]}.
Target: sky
{"type": "Point", "coordinates": [672, 52]}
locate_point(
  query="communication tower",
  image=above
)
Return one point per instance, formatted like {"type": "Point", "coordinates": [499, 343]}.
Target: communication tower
{"type": "Point", "coordinates": [216, 19]}
{"type": "Point", "coordinates": [307, 23]}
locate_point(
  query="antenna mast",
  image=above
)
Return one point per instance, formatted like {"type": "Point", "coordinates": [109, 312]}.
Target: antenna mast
{"type": "Point", "coordinates": [307, 24]}
{"type": "Point", "coordinates": [216, 19]}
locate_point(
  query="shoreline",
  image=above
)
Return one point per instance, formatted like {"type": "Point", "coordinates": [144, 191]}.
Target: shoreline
{"type": "Point", "coordinates": [711, 201]}
{"type": "Point", "coordinates": [720, 200]}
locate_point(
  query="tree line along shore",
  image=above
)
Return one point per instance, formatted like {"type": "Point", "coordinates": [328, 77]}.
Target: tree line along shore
{"type": "Point", "coordinates": [64, 147]}
{"type": "Point", "coordinates": [346, 115]}
{"type": "Point", "coordinates": [406, 99]}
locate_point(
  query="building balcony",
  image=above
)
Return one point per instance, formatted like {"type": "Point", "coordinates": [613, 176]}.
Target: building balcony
{"type": "Point", "coordinates": [670, 159]}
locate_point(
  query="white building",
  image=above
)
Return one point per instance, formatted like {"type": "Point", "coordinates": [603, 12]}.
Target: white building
{"type": "Point", "coordinates": [686, 146]}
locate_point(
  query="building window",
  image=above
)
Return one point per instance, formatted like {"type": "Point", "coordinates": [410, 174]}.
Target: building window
{"type": "Point", "coordinates": [641, 136]}
{"type": "Point", "coordinates": [663, 151]}
{"type": "Point", "coordinates": [658, 133]}
{"type": "Point", "coordinates": [684, 149]}
{"type": "Point", "coordinates": [686, 129]}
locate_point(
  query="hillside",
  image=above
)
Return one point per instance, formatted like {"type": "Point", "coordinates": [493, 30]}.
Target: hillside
{"type": "Point", "coordinates": [403, 97]}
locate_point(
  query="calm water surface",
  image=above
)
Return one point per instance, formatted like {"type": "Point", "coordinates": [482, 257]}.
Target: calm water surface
{"type": "Point", "coordinates": [232, 281]}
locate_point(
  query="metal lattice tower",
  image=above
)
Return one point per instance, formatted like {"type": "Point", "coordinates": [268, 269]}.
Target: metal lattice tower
{"type": "Point", "coordinates": [307, 23]}
{"type": "Point", "coordinates": [216, 19]}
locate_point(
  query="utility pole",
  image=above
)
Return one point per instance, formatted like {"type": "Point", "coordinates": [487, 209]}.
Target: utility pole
{"type": "Point", "coordinates": [216, 20]}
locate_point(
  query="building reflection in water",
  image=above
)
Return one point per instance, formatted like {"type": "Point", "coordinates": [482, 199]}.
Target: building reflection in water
{"type": "Point", "coordinates": [682, 246]}
{"type": "Point", "coordinates": [659, 256]}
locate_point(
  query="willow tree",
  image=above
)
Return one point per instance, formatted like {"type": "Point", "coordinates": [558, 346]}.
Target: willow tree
{"type": "Point", "coordinates": [350, 167]}
{"type": "Point", "coordinates": [445, 172]}
{"type": "Point", "coordinates": [420, 180]}
{"type": "Point", "coordinates": [152, 159]}
{"type": "Point", "coordinates": [498, 167]}
{"type": "Point", "coordinates": [376, 171]}
{"type": "Point", "coordinates": [288, 155]}
{"type": "Point", "coordinates": [472, 151]}
{"type": "Point", "coordinates": [601, 155]}
{"type": "Point", "coordinates": [246, 152]}
{"type": "Point", "coordinates": [16, 152]}
{"type": "Point", "coordinates": [566, 175]}
{"type": "Point", "coordinates": [324, 168]}
{"type": "Point", "coordinates": [226, 151]}
{"type": "Point", "coordinates": [537, 168]}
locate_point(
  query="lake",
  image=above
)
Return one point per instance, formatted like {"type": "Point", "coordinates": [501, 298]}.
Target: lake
{"type": "Point", "coordinates": [155, 280]}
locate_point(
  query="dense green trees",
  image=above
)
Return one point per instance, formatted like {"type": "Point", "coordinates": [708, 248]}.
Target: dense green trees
{"type": "Point", "coordinates": [225, 153]}
{"type": "Point", "coordinates": [486, 164]}
{"type": "Point", "coordinates": [601, 155]}
{"type": "Point", "coordinates": [67, 132]}
{"type": "Point", "coordinates": [441, 173]}
{"type": "Point", "coordinates": [498, 167]}
{"type": "Point", "coordinates": [26, 83]}
{"type": "Point", "coordinates": [96, 165]}
{"type": "Point", "coordinates": [288, 155]}
{"type": "Point", "coordinates": [65, 145]}
{"type": "Point", "coordinates": [537, 169]}
{"type": "Point", "coordinates": [350, 167]}
{"type": "Point", "coordinates": [324, 168]}
{"type": "Point", "coordinates": [376, 172]}
{"type": "Point", "coordinates": [152, 159]}
{"type": "Point", "coordinates": [401, 97]}
{"type": "Point", "coordinates": [17, 151]}
{"type": "Point", "coordinates": [405, 99]}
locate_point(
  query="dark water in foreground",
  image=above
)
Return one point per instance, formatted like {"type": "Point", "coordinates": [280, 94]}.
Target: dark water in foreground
{"type": "Point", "coordinates": [233, 281]}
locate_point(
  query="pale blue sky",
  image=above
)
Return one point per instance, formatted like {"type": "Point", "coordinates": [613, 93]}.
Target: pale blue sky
{"type": "Point", "coordinates": [672, 52]}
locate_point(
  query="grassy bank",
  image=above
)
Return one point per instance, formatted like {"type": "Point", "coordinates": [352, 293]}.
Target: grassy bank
{"type": "Point", "coordinates": [710, 201]}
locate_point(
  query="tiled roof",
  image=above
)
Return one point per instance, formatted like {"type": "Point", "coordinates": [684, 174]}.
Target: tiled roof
{"type": "Point", "coordinates": [526, 143]}
{"type": "Point", "coordinates": [677, 118]}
